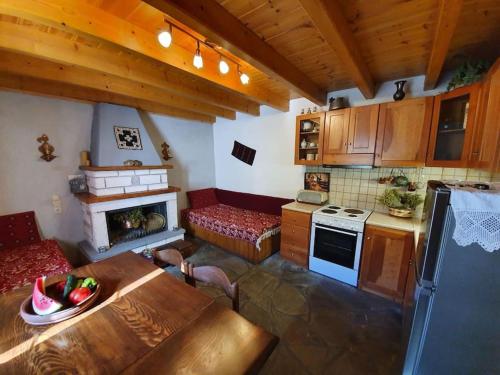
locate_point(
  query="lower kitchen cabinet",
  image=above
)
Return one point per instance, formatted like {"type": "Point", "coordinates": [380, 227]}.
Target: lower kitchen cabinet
{"type": "Point", "coordinates": [385, 261]}
{"type": "Point", "coordinates": [295, 235]}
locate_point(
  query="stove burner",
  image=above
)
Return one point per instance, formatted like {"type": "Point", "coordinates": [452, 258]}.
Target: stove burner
{"type": "Point", "coordinates": [351, 215]}
{"type": "Point", "coordinates": [353, 211]}
{"type": "Point", "coordinates": [328, 211]}
{"type": "Point", "coordinates": [334, 207]}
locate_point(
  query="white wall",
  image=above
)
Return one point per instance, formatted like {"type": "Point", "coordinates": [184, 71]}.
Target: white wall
{"type": "Point", "coordinates": [273, 136]}
{"type": "Point", "coordinates": [28, 183]}
{"type": "Point", "coordinates": [192, 147]}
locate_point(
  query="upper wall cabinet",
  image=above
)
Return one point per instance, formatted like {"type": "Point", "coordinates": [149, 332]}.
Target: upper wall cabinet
{"type": "Point", "coordinates": [350, 136]}
{"type": "Point", "coordinates": [309, 131]}
{"type": "Point", "coordinates": [403, 133]}
{"type": "Point", "coordinates": [452, 128]}
{"type": "Point", "coordinates": [486, 139]}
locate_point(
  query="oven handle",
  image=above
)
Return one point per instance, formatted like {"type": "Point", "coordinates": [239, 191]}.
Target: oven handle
{"type": "Point", "coordinates": [335, 230]}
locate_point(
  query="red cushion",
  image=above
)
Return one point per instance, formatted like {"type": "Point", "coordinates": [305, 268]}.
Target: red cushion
{"type": "Point", "coordinates": [18, 230]}
{"type": "Point", "coordinates": [22, 265]}
{"type": "Point", "coordinates": [254, 202]}
{"type": "Point", "coordinates": [202, 198]}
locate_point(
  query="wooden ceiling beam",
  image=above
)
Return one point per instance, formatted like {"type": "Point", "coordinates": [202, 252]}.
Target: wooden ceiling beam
{"type": "Point", "coordinates": [448, 14]}
{"type": "Point", "coordinates": [328, 17]}
{"type": "Point", "coordinates": [26, 39]}
{"type": "Point", "coordinates": [37, 86]}
{"type": "Point", "coordinates": [33, 67]}
{"type": "Point", "coordinates": [212, 20]}
{"type": "Point", "coordinates": [90, 21]}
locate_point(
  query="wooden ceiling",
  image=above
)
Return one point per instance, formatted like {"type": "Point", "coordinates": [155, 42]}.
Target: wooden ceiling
{"type": "Point", "coordinates": [106, 50]}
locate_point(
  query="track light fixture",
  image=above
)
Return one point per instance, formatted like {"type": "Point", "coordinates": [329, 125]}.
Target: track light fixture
{"type": "Point", "coordinates": [198, 60]}
{"type": "Point", "coordinates": [165, 37]}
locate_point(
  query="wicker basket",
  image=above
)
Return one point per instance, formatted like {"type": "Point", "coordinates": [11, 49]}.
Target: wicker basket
{"type": "Point", "coordinates": [400, 212]}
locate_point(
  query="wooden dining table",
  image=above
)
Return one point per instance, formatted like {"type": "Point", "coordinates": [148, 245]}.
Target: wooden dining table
{"type": "Point", "coordinates": [145, 321]}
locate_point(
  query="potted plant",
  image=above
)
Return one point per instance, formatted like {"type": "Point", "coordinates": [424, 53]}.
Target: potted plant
{"type": "Point", "coordinates": [130, 219]}
{"type": "Point", "coordinates": [400, 204]}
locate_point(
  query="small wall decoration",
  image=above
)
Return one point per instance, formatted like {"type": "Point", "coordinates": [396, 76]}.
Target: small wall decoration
{"type": "Point", "coordinates": [243, 153]}
{"type": "Point", "coordinates": [78, 184]}
{"type": "Point", "coordinates": [317, 181]}
{"type": "Point", "coordinates": [46, 148]}
{"type": "Point", "coordinates": [165, 150]}
{"type": "Point", "coordinates": [128, 138]}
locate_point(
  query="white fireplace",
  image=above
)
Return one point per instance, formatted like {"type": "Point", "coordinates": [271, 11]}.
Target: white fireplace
{"type": "Point", "coordinates": [99, 210]}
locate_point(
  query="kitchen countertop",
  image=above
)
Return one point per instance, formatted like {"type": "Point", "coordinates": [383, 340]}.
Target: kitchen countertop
{"type": "Point", "coordinates": [301, 207]}
{"type": "Point", "coordinates": [387, 221]}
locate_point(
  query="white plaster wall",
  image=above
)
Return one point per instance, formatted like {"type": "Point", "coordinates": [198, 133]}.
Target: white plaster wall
{"type": "Point", "coordinates": [192, 147]}
{"type": "Point", "coordinates": [273, 136]}
{"type": "Point", "coordinates": [28, 182]}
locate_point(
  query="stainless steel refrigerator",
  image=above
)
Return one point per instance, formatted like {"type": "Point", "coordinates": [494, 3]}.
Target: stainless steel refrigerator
{"type": "Point", "coordinates": [452, 325]}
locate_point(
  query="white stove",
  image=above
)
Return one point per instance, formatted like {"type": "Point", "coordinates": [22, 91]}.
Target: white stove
{"type": "Point", "coordinates": [336, 239]}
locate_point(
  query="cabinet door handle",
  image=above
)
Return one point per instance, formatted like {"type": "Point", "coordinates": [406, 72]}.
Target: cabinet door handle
{"type": "Point", "coordinates": [368, 238]}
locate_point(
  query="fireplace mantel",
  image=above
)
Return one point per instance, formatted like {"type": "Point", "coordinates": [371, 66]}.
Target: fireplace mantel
{"type": "Point", "coordinates": [89, 198]}
{"type": "Point", "coordinates": [125, 167]}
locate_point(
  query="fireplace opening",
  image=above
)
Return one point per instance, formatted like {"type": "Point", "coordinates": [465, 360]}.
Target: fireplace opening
{"type": "Point", "coordinates": [131, 223]}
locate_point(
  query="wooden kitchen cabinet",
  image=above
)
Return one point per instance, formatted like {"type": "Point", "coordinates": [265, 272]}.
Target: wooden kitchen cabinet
{"type": "Point", "coordinates": [452, 128]}
{"type": "Point", "coordinates": [295, 236]}
{"type": "Point", "coordinates": [485, 147]}
{"type": "Point", "coordinates": [309, 128]}
{"type": "Point", "coordinates": [385, 261]}
{"type": "Point", "coordinates": [403, 133]}
{"type": "Point", "coordinates": [350, 136]}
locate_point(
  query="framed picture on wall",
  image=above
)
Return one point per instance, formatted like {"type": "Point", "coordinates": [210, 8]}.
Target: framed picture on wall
{"type": "Point", "coordinates": [317, 181]}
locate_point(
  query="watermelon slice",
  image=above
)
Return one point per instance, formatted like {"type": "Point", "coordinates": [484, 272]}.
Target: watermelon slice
{"type": "Point", "coordinates": [42, 304]}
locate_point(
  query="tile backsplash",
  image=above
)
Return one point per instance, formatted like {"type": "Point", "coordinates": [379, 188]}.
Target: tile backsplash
{"type": "Point", "coordinates": [360, 188]}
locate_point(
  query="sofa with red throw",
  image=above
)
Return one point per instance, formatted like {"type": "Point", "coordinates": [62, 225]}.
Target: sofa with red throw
{"type": "Point", "coordinates": [24, 256]}
{"type": "Point", "coordinates": [245, 224]}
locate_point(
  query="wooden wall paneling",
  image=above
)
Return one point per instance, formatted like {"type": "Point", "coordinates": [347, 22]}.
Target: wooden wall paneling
{"type": "Point", "coordinates": [218, 25]}
{"type": "Point", "coordinates": [328, 17]}
{"type": "Point", "coordinates": [33, 67]}
{"type": "Point", "coordinates": [55, 46]}
{"type": "Point", "coordinates": [363, 129]}
{"type": "Point", "coordinates": [448, 15]}
{"type": "Point", "coordinates": [403, 132]}
{"type": "Point", "coordinates": [38, 86]}
{"type": "Point", "coordinates": [93, 22]}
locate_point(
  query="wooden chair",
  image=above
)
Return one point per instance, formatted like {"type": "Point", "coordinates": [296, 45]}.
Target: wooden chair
{"type": "Point", "coordinates": [214, 275]}
{"type": "Point", "coordinates": [173, 257]}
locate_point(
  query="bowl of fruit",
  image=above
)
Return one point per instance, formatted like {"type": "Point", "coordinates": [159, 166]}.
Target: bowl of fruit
{"type": "Point", "coordinates": [60, 301]}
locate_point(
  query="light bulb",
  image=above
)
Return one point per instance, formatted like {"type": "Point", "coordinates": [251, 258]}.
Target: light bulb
{"type": "Point", "coordinates": [223, 67]}
{"type": "Point", "coordinates": [244, 78]}
{"type": "Point", "coordinates": [197, 60]}
{"type": "Point", "coordinates": [165, 38]}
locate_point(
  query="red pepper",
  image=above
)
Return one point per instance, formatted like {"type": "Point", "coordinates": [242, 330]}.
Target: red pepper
{"type": "Point", "coordinates": [79, 294]}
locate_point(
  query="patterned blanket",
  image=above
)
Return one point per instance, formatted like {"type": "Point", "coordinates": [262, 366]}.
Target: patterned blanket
{"type": "Point", "coordinates": [22, 265]}
{"type": "Point", "coordinates": [235, 222]}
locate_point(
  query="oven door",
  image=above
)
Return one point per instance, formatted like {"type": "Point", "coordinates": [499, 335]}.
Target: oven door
{"type": "Point", "coordinates": [335, 253]}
